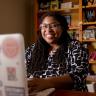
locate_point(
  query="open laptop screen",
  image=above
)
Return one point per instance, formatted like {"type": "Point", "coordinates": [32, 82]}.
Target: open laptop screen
{"type": "Point", "coordinates": [13, 81]}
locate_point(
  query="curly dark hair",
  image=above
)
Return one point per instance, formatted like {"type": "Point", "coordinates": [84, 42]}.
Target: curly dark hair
{"type": "Point", "coordinates": [40, 53]}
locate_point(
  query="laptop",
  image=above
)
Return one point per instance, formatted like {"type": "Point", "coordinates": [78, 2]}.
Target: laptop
{"type": "Point", "coordinates": [13, 79]}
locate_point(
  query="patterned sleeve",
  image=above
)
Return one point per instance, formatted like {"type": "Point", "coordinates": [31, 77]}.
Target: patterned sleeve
{"type": "Point", "coordinates": [79, 66]}
{"type": "Point", "coordinates": [28, 59]}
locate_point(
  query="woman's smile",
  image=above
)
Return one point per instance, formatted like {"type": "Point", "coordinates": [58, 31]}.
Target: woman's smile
{"type": "Point", "coordinates": [50, 35]}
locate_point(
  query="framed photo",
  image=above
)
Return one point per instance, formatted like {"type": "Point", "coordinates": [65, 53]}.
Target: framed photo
{"type": "Point", "coordinates": [86, 34]}
{"type": "Point", "coordinates": [54, 5]}
{"type": "Point", "coordinates": [92, 34]}
{"type": "Point", "coordinates": [94, 2]}
{"type": "Point", "coordinates": [68, 18]}
{"type": "Point", "coordinates": [89, 34]}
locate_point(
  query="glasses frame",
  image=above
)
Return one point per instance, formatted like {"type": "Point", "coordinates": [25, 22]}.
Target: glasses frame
{"type": "Point", "coordinates": [52, 26]}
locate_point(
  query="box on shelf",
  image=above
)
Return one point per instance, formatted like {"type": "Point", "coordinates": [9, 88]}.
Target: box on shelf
{"type": "Point", "coordinates": [66, 5]}
{"type": "Point", "coordinates": [68, 18]}
{"type": "Point", "coordinates": [44, 6]}
{"type": "Point", "coordinates": [91, 87]}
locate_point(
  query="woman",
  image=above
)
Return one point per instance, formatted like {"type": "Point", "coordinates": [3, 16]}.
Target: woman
{"type": "Point", "coordinates": [55, 60]}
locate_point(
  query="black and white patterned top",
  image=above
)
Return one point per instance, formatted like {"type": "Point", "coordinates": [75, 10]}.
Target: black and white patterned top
{"type": "Point", "coordinates": [76, 65]}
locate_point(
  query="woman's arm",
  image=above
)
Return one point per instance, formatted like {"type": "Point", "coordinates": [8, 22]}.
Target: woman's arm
{"type": "Point", "coordinates": [64, 81]}
{"type": "Point", "coordinates": [79, 66]}
{"type": "Point", "coordinates": [28, 59]}
{"type": "Point", "coordinates": [37, 84]}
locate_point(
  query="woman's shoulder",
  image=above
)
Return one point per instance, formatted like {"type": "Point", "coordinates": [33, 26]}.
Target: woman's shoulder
{"type": "Point", "coordinates": [30, 48]}
{"type": "Point", "coordinates": [74, 43]}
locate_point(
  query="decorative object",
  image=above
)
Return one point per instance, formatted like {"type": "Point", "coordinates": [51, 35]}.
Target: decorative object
{"type": "Point", "coordinates": [54, 5]}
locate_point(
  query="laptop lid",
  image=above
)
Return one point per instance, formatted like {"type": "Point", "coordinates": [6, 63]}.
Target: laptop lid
{"type": "Point", "coordinates": [13, 81]}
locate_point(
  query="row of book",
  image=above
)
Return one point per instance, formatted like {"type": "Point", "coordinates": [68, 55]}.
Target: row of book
{"type": "Point", "coordinates": [89, 34]}
{"type": "Point", "coordinates": [60, 4]}
{"type": "Point", "coordinates": [89, 15]}
{"type": "Point", "coordinates": [88, 2]}
{"type": "Point", "coordinates": [56, 4]}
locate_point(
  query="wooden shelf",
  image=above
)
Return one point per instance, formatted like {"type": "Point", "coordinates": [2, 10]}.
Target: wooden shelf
{"type": "Point", "coordinates": [91, 78]}
{"type": "Point", "coordinates": [89, 23]}
{"type": "Point", "coordinates": [92, 61]}
{"type": "Point", "coordinates": [60, 10]}
{"type": "Point", "coordinates": [91, 40]}
{"type": "Point", "coordinates": [91, 6]}
{"type": "Point", "coordinates": [73, 28]}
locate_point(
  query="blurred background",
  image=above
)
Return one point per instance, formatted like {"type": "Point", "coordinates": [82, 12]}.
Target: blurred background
{"type": "Point", "coordinates": [16, 16]}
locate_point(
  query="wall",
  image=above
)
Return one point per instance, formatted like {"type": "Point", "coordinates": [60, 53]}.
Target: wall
{"type": "Point", "coordinates": [16, 16]}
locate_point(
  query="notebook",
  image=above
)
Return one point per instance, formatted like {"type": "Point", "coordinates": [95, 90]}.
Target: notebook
{"type": "Point", "coordinates": [13, 81]}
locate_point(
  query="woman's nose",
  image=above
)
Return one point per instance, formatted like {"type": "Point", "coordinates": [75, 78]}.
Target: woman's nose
{"type": "Point", "coordinates": [49, 27]}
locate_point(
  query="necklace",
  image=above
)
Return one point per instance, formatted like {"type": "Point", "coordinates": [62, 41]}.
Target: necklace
{"type": "Point", "coordinates": [52, 52]}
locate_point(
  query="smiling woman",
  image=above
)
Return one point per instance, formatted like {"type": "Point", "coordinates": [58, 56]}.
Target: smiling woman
{"type": "Point", "coordinates": [55, 60]}
{"type": "Point", "coordinates": [50, 30]}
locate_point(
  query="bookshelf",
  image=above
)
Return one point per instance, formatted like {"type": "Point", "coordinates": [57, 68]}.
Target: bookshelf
{"type": "Point", "coordinates": [88, 25]}
{"type": "Point", "coordinates": [75, 11]}
{"type": "Point", "coordinates": [69, 9]}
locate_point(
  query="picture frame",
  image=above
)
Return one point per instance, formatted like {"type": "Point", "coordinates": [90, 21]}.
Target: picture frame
{"type": "Point", "coordinates": [92, 34]}
{"type": "Point", "coordinates": [94, 2]}
{"type": "Point", "coordinates": [89, 34]}
{"type": "Point", "coordinates": [54, 5]}
{"type": "Point", "coordinates": [68, 18]}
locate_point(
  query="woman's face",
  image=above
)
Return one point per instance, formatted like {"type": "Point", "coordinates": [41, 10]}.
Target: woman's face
{"type": "Point", "coordinates": [50, 30]}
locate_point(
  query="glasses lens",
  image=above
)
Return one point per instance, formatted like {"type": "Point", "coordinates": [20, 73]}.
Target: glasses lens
{"type": "Point", "coordinates": [54, 25]}
{"type": "Point", "coordinates": [45, 26]}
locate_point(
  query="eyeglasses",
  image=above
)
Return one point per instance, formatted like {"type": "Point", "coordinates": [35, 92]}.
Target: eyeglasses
{"type": "Point", "coordinates": [46, 26]}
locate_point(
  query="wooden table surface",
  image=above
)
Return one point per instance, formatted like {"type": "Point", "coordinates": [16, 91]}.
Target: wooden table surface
{"type": "Point", "coordinates": [72, 93]}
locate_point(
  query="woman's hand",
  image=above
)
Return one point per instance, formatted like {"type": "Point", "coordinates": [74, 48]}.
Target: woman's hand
{"type": "Point", "coordinates": [38, 84]}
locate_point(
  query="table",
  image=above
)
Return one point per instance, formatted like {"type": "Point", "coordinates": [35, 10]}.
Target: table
{"type": "Point", "coordinates": [72, 93]}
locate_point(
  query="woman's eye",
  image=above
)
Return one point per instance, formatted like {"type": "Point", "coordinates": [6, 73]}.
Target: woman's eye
{"type": "Point", "coordinates": [54, 25]}
{"type": "Point", "coordinates": [44, 26]}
